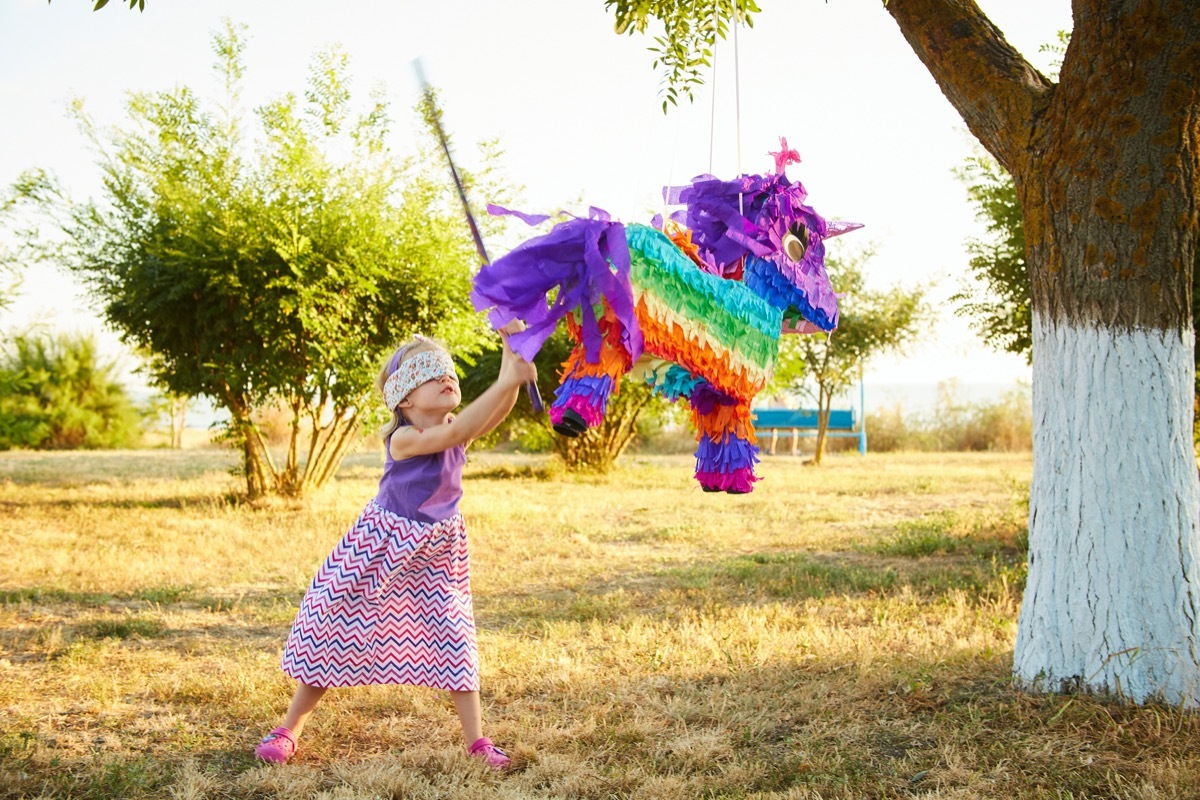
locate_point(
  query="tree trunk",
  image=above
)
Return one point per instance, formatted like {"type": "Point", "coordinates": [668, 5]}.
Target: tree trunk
{"type": "Point", "coordinates": [257, 465]}
{"type": "Point", "coordinates": [339, 438]}
{"type": "Point", "coordinates": [177, 408]}
{"type": "Point", "coordinates": [1109, 602]}
{"type": "Point", "coordinates": [824, 400]}
{"type": "Point", "coordinates": [1106, 165]}
{"type": "Point", "coordinates": [327, 446]}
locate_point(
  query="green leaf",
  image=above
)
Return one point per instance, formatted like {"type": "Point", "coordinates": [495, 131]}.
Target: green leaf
{"type": "Point", "coordinates": [100, 4]}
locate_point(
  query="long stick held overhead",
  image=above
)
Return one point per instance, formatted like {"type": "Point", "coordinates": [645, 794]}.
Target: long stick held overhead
{"type": "Point", "coordinates": [435, 116]}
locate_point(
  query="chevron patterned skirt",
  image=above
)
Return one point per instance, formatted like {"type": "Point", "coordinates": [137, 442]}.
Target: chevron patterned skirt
{"type": "Point", "coordinates": [391, 604]}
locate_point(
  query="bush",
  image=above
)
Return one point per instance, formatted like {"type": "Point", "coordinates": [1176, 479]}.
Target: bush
{"type": "Point", "coordinates": [888, 430]}
{"type": "Point", "coordinates": [58, 395]}
{"type": "Point", "coordinates": [1003, 425]}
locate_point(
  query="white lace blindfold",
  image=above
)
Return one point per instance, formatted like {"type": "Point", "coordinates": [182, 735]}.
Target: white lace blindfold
{"type": "Point", "coordinates": [427, 366]}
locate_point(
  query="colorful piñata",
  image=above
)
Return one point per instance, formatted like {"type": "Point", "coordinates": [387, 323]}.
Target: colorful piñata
{"type": "Point", "coordinates": [697, 303]}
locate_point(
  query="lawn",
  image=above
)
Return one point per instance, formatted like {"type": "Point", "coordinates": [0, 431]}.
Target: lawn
{"type": "Point", "coordinates": [845, 631]}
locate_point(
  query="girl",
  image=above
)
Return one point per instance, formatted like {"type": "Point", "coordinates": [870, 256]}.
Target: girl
{"type": "Point", "coordinates": [392, 602]}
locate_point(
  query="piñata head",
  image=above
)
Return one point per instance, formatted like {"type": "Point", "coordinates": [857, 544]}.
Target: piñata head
{"type": "Point", "coordinates": [759, 229]}
{"type": "Point", "coordinates": [699, 309]}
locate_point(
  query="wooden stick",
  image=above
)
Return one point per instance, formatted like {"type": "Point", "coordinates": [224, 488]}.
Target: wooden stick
{"type": "Point", "coordinates": [531, 389]}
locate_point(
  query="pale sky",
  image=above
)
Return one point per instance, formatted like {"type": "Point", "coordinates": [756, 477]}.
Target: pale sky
{"type": "Point", "coordinates": [575, 107]}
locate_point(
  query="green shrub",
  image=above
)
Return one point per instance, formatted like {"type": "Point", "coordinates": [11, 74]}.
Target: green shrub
{"type": "Point", "coordinates": [58, 394]}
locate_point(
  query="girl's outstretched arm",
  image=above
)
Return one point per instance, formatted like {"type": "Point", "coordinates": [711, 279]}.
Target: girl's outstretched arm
{"type": "Point", "coordinates": [409, 441]}
{"type": "Point", "coordinates": [480, 416]}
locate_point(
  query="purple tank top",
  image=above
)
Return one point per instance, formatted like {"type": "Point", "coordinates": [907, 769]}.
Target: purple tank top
{"type": "Point", "coordinates": [423, 488]}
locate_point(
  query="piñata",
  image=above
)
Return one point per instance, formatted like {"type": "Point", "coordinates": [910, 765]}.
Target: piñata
{"type": "Point", "coordinates": [694, 304]}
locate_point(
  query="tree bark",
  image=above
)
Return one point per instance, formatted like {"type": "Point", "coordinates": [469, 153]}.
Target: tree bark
{"type": "Point", "coordinates": [1106, 165]}
{"type": "Point", "coordinates": [341, 433]}
{"type": "Point", "coordinates": [177, 408]}
{"type": "Point", "coordinates": [824, 400]}
{"type": "Point", "coordinates": [256, 458]}
{"type": "Point", "coordinates": [295, 404]}
{"type": "Point", "coordinates": [1110, 599]}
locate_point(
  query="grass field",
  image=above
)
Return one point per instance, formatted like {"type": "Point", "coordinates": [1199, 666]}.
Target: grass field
{"type": "Point", "coordinates": [843, 632]}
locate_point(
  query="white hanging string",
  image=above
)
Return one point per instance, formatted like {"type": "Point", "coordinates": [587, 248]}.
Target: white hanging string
{"type": "Point", "coordinates": [737, 94]}
{"type": "Point", "coordinates": [670, 171]}
{"type": "Point", "coordinates": [712, 114]}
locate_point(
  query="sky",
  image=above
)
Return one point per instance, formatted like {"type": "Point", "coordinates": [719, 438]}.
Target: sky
{"type": "Point", "coordinates": [576, 108]}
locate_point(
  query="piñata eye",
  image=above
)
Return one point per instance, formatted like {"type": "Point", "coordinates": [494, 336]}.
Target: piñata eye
{"type": "Point", "coordinates": [795, 242]}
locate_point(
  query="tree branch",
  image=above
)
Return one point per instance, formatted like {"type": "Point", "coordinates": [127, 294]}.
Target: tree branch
{"type": "Point", "coordinates": [997, 92]}
{"type": "Point", "coordinates": [344, 440]}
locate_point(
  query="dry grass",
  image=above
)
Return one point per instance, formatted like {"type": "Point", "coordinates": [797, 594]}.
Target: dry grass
{"type": "Point", "coordinates": [843, 632]}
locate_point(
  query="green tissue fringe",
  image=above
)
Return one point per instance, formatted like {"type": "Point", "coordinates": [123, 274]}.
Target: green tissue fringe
{"type": "Point", "coordinates": [740, 320]}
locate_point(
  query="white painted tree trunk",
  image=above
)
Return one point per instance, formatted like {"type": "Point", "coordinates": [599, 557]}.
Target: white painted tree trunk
{"type": "Point", "coordinates": [1114, 519]}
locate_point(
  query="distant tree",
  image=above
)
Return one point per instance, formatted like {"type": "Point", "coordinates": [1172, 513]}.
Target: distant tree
{"type": "Point", "coordinates": [17, 427]}
{"type": "Point", "coordinates": [16, 228]}
{"type": "Point", "coordinates": [60, 394]}
{"type": "Point", "coordinates": [278, 274]}
{"type": "Point", "coordinates": [996, 297]}
{"type": "Point", "coordinates": [10, 284]}
{"type": "Point", "coordinates": [872, 323]}
{"type": "Point", "coordinates": [173, 407]}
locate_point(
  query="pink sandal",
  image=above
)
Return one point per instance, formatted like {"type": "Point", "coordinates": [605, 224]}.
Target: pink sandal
{"type": "Point", "coordinates": [276, 747]}
{"type": "Point", "coordinates": [491, 755]}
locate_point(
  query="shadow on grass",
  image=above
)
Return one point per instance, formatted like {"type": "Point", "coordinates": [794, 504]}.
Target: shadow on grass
{"type": "Point", "coordinates": [949, 532]}
{"type": "Point", "coordinates": [113, 777]}
{"type": "Point", "coordinates": [816, 729]}
{"type": "Point", "coordinates": [157, 598]}
{"type": "Point", "coordinates": [743, 580]}
{"type": "Point", "coordinates": [652, 592]}
{"type": "Point", "coordinates": [551, 471]}
{"type": "Point", "coordinates": [45, 595]}
{"type": "Point", "coordinates": [68, 468]}
{"type": "Point", "coordinates": [753, 579]}
{"type": "Point", "coordinates": [174, 502]}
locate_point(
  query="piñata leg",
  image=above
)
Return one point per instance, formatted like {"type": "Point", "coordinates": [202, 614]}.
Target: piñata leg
{"type": "Point", "coordinates": [727, 450]}
{"type": "Point", "coordinates": [582, 397]}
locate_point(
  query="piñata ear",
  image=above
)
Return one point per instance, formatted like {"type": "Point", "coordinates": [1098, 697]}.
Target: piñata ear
{"type": "Point", "coordinates": [839, 226]}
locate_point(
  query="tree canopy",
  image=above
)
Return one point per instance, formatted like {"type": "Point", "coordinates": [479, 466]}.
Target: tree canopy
{"type": "Point", "coordinates": [685, 47]}
{"type": "Point", "coordinates": [278, 270]}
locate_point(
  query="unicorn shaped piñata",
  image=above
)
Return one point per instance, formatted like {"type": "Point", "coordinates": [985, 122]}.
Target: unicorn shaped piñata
{"type": "Point", "coordinates": [696, 305]}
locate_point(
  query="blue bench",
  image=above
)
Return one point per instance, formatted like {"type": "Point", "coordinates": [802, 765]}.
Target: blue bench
{"type": "Point", "coordinates": [794, 423]}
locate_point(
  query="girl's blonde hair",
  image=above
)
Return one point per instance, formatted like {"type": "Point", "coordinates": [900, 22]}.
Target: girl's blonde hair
{"type": "Point", "coordinates": [417, 344]}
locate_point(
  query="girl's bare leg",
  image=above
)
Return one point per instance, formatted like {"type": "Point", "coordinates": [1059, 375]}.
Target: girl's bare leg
{"type": "Point", "coordinates": [469, 714]}
{"type": "Point", "coordinates": [303, 702]}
